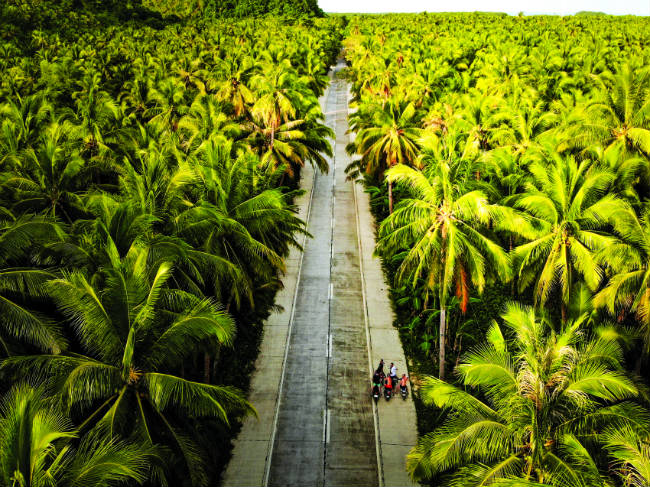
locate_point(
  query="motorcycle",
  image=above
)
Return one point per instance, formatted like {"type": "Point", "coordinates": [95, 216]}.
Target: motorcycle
{"type": "Point", "coordinates": [376, 393]}
{"type": "Point", "coordinates": [387, 393]}
{"type": "Point", "coordinates": [404, 391]}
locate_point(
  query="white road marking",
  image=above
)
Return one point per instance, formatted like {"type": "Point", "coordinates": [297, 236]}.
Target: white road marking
{"type": "Point", "coordinates": [380, 465]}
{"type": "Point", "coordinates": [269, 456]}
{"type": "Point", "coordinates": [329, 423]}
{"type": "Point", "coordinates": [331, 291]}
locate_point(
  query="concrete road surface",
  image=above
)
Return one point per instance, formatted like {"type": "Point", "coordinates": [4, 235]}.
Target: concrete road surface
{"type": "Point", "coordinates": [318, 426]}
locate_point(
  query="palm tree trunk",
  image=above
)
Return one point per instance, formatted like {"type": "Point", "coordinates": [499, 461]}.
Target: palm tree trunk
{"type": "Point", "coordinates": [390, 197]}
{"type": "Point", "coordinates": [206, 367]}
{"type": "Point", "coordinates": [443, 342]}
{"type": "Point", "coordinates": [564, 312]}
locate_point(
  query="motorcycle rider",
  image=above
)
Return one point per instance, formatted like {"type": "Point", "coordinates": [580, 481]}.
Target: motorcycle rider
{"type": "Point", "coordinates": [380, 368]}
{"type": "Point", "coordinates": [393, 372]}
{"type": "Point", "coordinates": [388, 384]}
{"type": "Point", "coordinates": [403, 381]}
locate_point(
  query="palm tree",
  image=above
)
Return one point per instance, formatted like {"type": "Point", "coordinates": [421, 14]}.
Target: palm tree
{"type": "Point", "coordinates": [24, 119]}
{"type": "Point", "coordinates": [290, 144]}
{"type": "Point", "coordinates": [620, 115]}
{"type": "Point", "coordinates": [239, 216]}
{"type": "Point", "coordinates": [22, 288]}
{"type": "Point", "coordinates": [51, 176]}
{"type": "Point", "coordinates": [206, 118]}
{"type": "Point", "coordinates": [277, 98]}
{"type": "Point", "coordinates": [390, 137]}
{"type": "Point", "coordinates": [630, 449]}
{"type": "Point", "coordinates": [95, 116]}
{"type": "Point", "coordinates": [542, 399]}
{"type": "Point", "coordinates": [628, 287]}
{"type": "Point", "coordinates": [37, 447]}
{"type": "Point", "coordinates": [135, 331]}
{"type": "Point", "coordinates": [439, 227]}
{"type": "Point", "coordinates": [568, 205]}
{"type": "Point", "coordinates": [157, 180]}
{"type": "Point", "coordinates": [233, 87]}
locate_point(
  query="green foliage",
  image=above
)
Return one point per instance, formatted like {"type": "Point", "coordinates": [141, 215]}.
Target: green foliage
{"type": "Point", "coordinates": [145, 214]}
{"type": "Point", "coordinates": [523, 175]}
{"type": "Point", "coordinates": [544, 394]}
{"type": "Point", "coordinates": [257, 8]}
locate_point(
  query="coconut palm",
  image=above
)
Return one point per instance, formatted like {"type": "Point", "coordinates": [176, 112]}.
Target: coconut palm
{"type": "Point", "coordinates": [277, 97]}
{"type": "Point", "coordinates": [441, 228]}
{"type": "Point", "coordinates": [542, 398]}
{"type": "Point", "coordinates": [389, 137]}
{"type": "Point", "coordinates": [240, 217]}
{"type": "Point", "coordinates": [233, 85]}
{"type": "Point", "coordinates": [134, 332]}
{"type": "Point", "coordinates": [206, 118]}
{"type": "Point", "coordinates": [24, 119]}
{"type": "Point", "coordinates": [22, 287]}
{"type": "Point", "coordinates": [620, 116]}
{"type": "Point", "coordinates": [38, 447]}
{"type": "Point", "coordinates": [50, 176]}
{"type": "Point", "coordinates": [568, 204]}
{"type": "Point", "coordinates": [290, 144]}
{"type": "Point", "coordinates": [628, 287]}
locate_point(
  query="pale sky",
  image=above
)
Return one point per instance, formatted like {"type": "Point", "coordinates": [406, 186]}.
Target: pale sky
{"type": "Point", "coordinates": [513, 7]}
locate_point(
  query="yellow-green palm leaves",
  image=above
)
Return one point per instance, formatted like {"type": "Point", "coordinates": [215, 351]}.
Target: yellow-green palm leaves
{"type": "Point", "coordinates": [543, 394]}
{"type": "Point", "coordinates": [621, 116]}
{"type": "Point", "coordinates": [389, 138]}
{"type": "Point", "coordinates": [134, 331]}
{"type": "Point", "coordinates": [628, 287]}
{"type": "Point", "coordinates": [38, 447]}
{"type": "Point", "coordinates": [568, 205]}
{"type": "Point", "coordinates": [441, 227]}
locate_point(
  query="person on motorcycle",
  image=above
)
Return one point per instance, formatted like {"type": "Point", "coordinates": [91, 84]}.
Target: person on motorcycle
{"type": "Point", "coordinates": [388, 384]}
{"type": "Point", "coordinates": [393, 372]}
{"type": "Point", "coordinates": [375, 390]}
{"type": "Point", "coordinates": [380, 368]}
{"type": "Point", "coordinates": [376, 379]}
{"type": "Point", "coordinates": [403, 381]}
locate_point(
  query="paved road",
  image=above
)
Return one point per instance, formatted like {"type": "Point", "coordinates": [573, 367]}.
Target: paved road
{"type": "Point", "coordinates": [325, 432]}
{"type": "Point", "coordinates": [317, 426]}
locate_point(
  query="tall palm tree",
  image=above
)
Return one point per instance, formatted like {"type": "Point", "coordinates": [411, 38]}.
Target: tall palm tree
{"type": "Point", "coordinates": [390, 137]}
{"type": "Point", "coordinates": [620, 115]}
{"type": "Point", "coordinates": [628, 287]}
{"type": "Point", "coordinates": [22, 287]}
{"type": "Point", "coordinates": [277, 97]}
{"type": "Point", "coordinates": [291, 144]}
{"type": "Point", "coordinates": [24, 119]}
{"type": "Point", "coordinates": [440, 228]}
{"type": "Point", "coordinates": [135, 332]}
{"type": "Point", "coordinates": [50, 176]}
{"type": "Point", "coordinates": [206, 118]}
{"type": "Point", "coordinates": [568, 204]}
{"type": "Point", "coordinates": [542, 399]}
{"type": "Point", "coordinates": [37, 447]}
{"type": "Point", "coordinates": [232, 86]}
{"type": "Point", "coordinates": [241, 217]}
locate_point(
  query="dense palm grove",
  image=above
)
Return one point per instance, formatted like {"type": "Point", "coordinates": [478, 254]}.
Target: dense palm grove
{"type": "Point", "coordinates": [508, 159]}
{"type": "Point", "coordinates": [148, 166]}
{"type": "Point", "coordinates": [147, 172]}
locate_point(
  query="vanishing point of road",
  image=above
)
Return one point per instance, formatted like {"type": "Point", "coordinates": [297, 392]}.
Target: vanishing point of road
{"type": "Point", "coordinates": [317, 423]}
